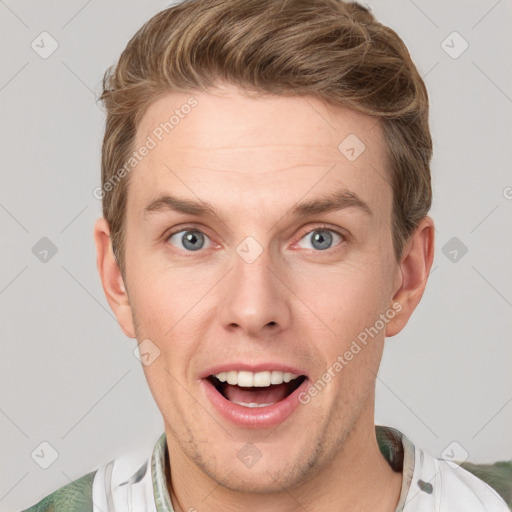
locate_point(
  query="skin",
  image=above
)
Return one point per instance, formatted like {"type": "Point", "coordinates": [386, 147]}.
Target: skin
{"type": "Point", "coordinates": [253, 159]}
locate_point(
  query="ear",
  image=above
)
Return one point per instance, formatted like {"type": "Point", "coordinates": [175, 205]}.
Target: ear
{"type": "Point", "coordinates": [412, 274]}
{"type": "Point", "coordinates": [111, 278]}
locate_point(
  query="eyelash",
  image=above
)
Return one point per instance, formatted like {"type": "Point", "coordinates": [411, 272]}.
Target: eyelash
{"type": "Point", "coordinates": [302, 233]}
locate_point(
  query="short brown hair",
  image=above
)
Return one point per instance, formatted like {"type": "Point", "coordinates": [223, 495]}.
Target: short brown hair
{"type": "Point", "coordinates": [328, 49]}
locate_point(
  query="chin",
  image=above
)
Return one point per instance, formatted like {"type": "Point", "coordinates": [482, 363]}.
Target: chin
{"type": "Point", "coordinates": [251, 470]}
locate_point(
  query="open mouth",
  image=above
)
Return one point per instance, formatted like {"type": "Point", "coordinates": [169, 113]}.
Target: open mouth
{"type": "Point", "coordinates": [259, 389]}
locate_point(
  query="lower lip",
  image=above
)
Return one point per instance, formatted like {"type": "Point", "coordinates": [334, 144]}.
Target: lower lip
{"type": "Point", "coordinates": [254, 417]}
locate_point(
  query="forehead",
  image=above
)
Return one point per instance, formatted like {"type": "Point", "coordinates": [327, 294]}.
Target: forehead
{"type": "Point", "coordinates": [225, 147]}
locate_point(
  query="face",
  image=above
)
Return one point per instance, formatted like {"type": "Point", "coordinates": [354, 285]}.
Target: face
{"type": "Point", "coordinates": [257, 252]}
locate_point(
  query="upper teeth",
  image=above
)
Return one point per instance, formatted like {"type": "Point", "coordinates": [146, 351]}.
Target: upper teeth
{"type": "Point", "coordinates": [259, 379]}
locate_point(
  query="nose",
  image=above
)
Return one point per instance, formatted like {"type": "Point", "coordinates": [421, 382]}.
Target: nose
{"type": "Point", "coordinates": [254, 298]}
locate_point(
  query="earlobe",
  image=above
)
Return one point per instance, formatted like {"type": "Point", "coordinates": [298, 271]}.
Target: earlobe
{"type": "Point", "coordinates": [112, 279]}
{"type": "Point", "coordinates": [413, 272]}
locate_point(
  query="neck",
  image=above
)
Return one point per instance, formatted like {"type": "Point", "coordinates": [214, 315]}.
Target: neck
{"type": "Point", "coordinates": [358, 477]}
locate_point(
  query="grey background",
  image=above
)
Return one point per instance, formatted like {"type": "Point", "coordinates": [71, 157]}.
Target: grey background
{"type": "Point", "coordinates": [69, 376]}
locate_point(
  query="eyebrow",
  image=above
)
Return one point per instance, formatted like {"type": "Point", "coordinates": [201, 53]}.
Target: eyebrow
{"type": "Point", "coordinates": [326, 203]}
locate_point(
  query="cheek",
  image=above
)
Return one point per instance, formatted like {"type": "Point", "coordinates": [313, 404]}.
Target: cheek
{"type": "Point", "coordinates": [346, 299]}
{"type": "Point", "coordinates": [161, 293]}
{"type": "Point", "coordinates": [168, 306]}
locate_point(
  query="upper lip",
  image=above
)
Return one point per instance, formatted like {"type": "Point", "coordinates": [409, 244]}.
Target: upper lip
{"type": "Point", "coordinates": [239, 366]}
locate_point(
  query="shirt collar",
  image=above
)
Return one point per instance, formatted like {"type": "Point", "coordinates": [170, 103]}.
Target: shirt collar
{"type": "Point", "coordinates": [398, 450]}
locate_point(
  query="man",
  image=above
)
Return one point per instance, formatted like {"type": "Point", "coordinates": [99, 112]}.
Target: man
{"type": "Point", "coordinates": [265, 186]}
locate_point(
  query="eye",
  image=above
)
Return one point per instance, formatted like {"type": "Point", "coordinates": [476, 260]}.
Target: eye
{"type": "Point", "coordinates": [321, 239]}
{"type": "Point", "coordinates": [190, 239]}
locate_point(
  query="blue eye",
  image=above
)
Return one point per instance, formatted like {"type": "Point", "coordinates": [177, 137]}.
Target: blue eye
{"type": "Point", "coordinates": [191, 239]}
{"type": "Point", "coordinates": [321, 239]}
